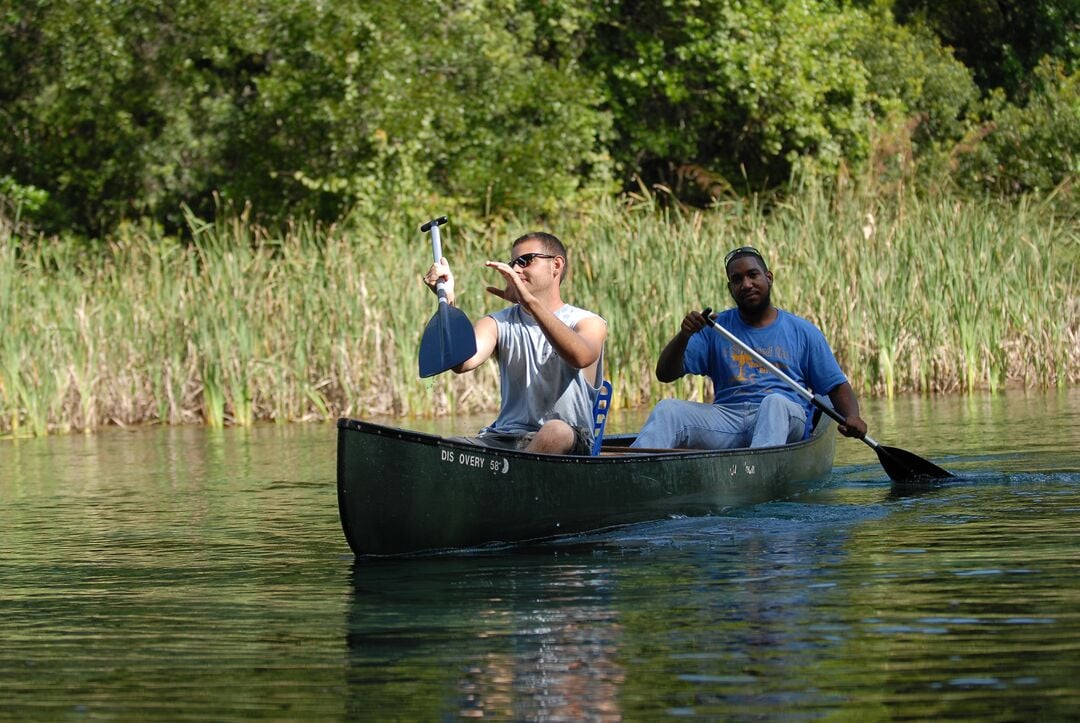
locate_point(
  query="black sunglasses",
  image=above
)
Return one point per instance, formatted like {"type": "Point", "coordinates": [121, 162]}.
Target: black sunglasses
{"type": "Point", "coordinates": [740, 251]}
{"type": "Point", "coordinates": [526, 259]}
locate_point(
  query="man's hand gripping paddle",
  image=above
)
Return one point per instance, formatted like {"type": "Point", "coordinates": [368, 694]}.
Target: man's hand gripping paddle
{"type": "Point", "coordinates": [448, 339]}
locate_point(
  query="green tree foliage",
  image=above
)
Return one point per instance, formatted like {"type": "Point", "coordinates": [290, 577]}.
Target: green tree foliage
{"type": "Point", "coordinates": [1023, 135]}
{"type": "Point", "coordinates": [758, 88]}
{"type": "Point", "coordinates": [1002, 41]}
{"type": "Point", "coordinates": [474, 101]}
{"type": "Point", "coordinates": [113, 107]}
{"type": "Point", "coordinates": [911, 75]}
{"type": "Point", "coordinates": [1032, 149]}
{"type": "Point", "coordinates": [735, 87]}
{"type": "Point", "coordinates": [135, 108]}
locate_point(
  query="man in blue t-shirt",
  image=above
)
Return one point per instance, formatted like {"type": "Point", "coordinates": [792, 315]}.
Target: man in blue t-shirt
{"type": "Point", "coordinates": [753, 407]}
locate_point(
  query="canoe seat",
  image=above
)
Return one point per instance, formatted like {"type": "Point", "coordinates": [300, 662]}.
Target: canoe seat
{"type": "Point", "coordinates": [600, 415]}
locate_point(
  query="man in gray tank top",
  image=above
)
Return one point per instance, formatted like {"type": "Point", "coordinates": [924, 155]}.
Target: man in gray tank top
{"type": "Point", "coordinates": [550, 354]}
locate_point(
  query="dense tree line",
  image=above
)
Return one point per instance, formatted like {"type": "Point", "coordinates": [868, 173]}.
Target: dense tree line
{"type": "Point", "coordinates": [133, 108]}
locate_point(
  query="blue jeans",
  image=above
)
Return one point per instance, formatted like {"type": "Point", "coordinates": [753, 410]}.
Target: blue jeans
{"type": "Point", "coordinates": [678, 423]}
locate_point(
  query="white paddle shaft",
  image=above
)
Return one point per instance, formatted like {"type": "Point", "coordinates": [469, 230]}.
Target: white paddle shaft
{"type": "Point", "coordinates": [436, 251]}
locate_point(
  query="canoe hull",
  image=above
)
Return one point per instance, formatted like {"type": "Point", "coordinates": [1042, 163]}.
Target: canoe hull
{"type": "Point", "coordinates": [402, 492]}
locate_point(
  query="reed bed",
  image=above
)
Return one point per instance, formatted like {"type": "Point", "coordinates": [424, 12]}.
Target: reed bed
{"type": "Point", "coordinates": [239, 324]}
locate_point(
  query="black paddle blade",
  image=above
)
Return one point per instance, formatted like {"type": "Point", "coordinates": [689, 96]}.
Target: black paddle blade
{"type": "Point", "coordinates": [903, 466]}
{"type": "Point", "coordinates": [448, 340]}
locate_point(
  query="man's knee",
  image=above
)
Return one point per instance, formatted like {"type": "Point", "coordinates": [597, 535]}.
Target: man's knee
{"type": "Point", "coordinates": [555, 437]}
{"type": "Point", "coordinates": [557, 429]}
{"type": "Point", "coordinates": [667, 409]}
{"type": "Point", "coordinates": [780, 410]}
{"type": "Point", "coordinates": [773, 402]}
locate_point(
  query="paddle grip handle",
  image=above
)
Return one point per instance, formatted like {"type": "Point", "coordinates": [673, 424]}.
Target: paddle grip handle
{"type": "Point", "coordinates": [705, 312]}
{"type": "Point", "coordinates": [436, 251]}
{"type": "Point", "coordinates": [433, 222]}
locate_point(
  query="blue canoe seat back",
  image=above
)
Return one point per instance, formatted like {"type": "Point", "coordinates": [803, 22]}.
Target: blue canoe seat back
{"type": "Point", "coordinates": [600, 415]}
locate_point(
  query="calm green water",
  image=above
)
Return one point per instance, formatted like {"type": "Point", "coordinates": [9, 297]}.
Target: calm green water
{"type": "Point", "coordinates": [174, 574]}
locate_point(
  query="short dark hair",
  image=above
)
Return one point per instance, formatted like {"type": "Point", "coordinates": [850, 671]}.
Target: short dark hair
{"type": "Point", "coordinates": [551, 245]}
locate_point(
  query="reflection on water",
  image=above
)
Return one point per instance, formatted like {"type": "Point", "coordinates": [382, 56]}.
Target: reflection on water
{"type": "Point", "coordinates": [186, 573]}
{"type": "Point", "coordinates": [518, 637]}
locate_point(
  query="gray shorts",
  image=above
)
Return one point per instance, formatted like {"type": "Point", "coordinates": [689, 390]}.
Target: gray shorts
{"type": "Point", "coordinates": [495, 440]}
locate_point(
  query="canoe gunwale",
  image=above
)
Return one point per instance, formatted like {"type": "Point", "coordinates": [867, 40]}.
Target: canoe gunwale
{"type": "Point", "coordinates": [617, 452]}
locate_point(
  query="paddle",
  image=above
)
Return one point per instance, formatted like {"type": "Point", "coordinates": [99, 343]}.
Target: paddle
{"type": "Point", "coordinates": [899, 464]}
{"type": "Point", "coordinates": [448, 338]}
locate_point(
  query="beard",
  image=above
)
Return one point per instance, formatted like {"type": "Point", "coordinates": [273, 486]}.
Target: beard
{"type": "Point", "coordinates": [753, 308]}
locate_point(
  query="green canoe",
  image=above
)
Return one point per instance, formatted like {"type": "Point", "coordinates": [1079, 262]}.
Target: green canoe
{"type": "Point", "coordinates": [403, 492]}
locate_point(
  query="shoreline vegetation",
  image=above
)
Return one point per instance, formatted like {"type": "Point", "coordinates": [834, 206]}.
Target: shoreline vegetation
{"type": "Point", "coordinates": [241, 323]}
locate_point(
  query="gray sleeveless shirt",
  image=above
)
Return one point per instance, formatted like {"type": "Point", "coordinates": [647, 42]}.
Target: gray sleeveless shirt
{"type": "Point", "coordinates": [536, 384]}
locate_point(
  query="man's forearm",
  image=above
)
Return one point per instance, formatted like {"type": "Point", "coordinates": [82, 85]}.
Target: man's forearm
{"type": "Point", "coordinates": [567, 343]}
{"type": "Point", "coordinates": [669, 366]}
{"type": "Point", "coordinates": [844, 400]}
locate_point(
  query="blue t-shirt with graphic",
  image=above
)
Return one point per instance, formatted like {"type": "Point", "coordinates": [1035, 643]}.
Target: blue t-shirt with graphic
{"type": "Point", "coordinates": [792, 344]}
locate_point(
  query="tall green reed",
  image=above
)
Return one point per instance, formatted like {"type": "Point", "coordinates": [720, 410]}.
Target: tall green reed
{"type": "Point", "coordinates": [311, 322]}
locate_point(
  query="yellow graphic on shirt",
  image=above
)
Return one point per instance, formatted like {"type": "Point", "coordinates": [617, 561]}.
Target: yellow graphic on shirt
{"type": "Point", "coordinates": [743, 360]}
{"type": "Point", "coordinates": [749, 368]}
